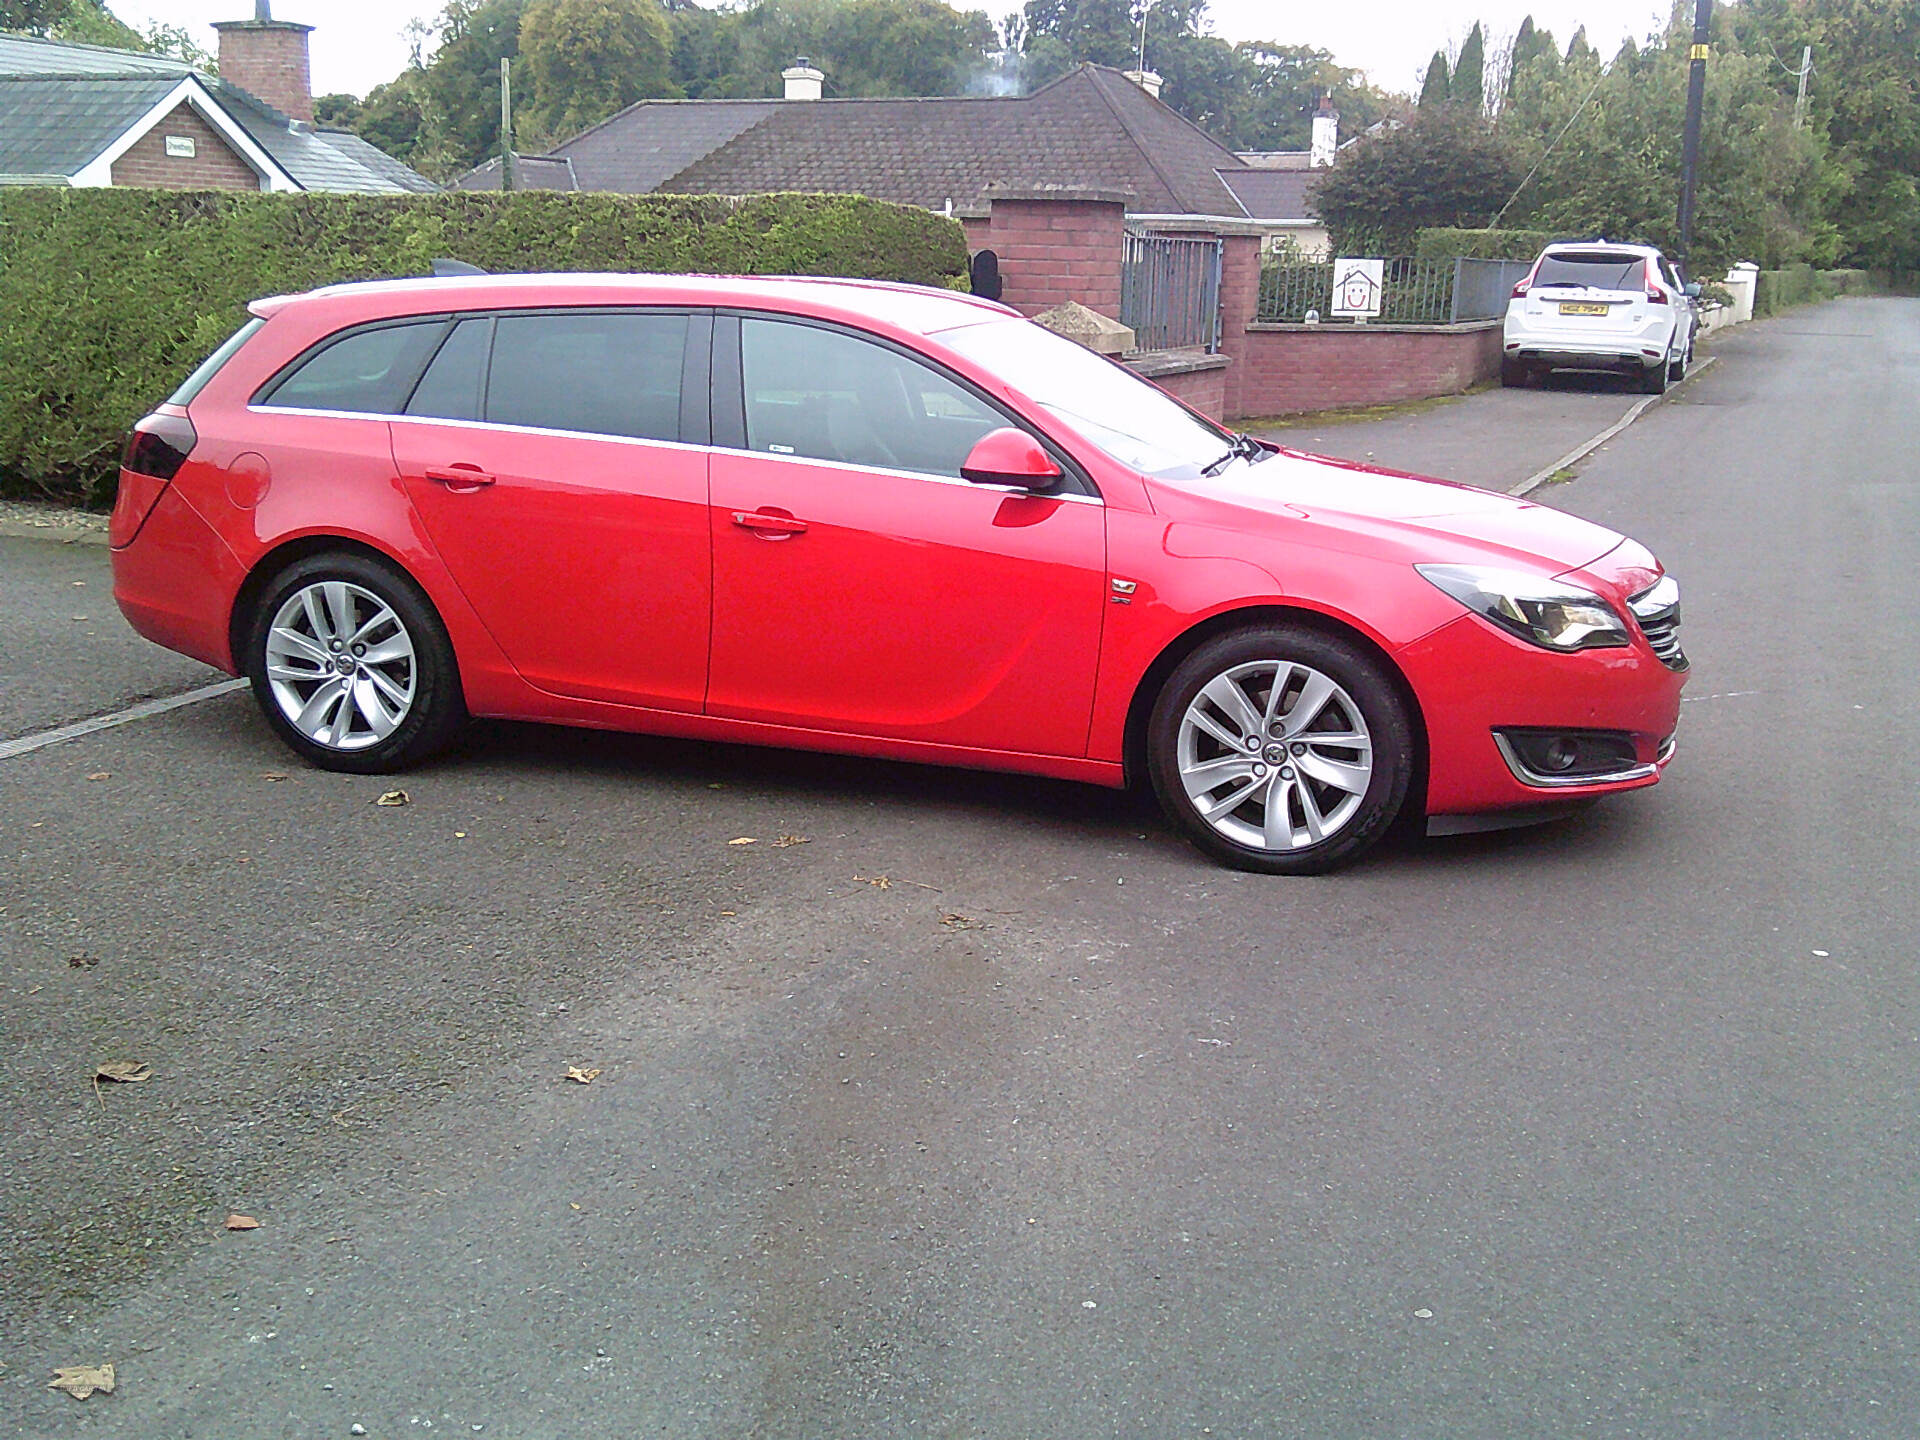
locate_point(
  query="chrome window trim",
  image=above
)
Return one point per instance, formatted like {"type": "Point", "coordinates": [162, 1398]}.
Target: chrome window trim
{"type": "Point", "coordinates": [842, 465]}
{"type": "Point", "coordinates": [1528, 776]}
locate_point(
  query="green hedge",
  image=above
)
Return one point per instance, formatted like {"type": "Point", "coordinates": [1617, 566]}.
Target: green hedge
{"type": "Point", "coordinates": [1778, 290]}
{"type": "Point", "coordinates": [1448, 243]}
{"type": "Point", "coordinates": [108, 298]}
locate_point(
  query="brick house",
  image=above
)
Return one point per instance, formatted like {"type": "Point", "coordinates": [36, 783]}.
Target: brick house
{"type": "Point", "coordinates": [1092, 129]}
{"type": "Point", "coordinates": [90, 116]}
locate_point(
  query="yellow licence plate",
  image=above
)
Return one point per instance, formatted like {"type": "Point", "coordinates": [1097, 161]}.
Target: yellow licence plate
{"type": "Point", "coordinates": [1575, 307]}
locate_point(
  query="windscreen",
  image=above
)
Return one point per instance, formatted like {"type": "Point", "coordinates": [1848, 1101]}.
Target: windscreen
{"type": "Point", "coordinates": [1596, 269]}
{"type": "Point", "coordinates": [1136, 423]}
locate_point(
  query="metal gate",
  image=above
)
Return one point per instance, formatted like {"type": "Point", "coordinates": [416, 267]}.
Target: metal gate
{"type": "Point", "coordinates": [1170, 292]}
{"type": "Point", "coordinates": [1481, 288]}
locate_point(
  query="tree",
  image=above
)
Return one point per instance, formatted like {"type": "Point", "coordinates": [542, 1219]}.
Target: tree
{"type": "Point", "coordinates": [1285, 85]}
{"type": "Point", "coordinates": [586, 59]}
{"type": "Point", "coordinates": [459, 89]}
{"type": "Point", "coordinates": [36, 17]}
{"type": "Point", "coordinates": [1530, 45]}
{"type": "Point", "coordinates": [1469, 84]}
{"type": "Point", "coordinates": [1447, 166]}
{"type": "Point", "coordinates": [1437, 88]}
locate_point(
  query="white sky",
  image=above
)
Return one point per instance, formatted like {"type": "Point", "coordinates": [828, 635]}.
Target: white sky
{"type": "Point", "coordinates": [359, 43]}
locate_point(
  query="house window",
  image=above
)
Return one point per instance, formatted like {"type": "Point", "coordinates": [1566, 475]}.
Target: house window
{"type": "Point", "coordinates": [180, 147]}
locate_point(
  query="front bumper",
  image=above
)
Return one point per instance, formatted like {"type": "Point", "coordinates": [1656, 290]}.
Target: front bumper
{"type": "Point", "coordinates": [1473, 681]}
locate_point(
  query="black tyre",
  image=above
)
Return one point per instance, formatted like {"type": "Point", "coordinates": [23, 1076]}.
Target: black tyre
{"type": "Point", "coordinates": [352, 667]}
{"type": "Point", "coordinates": [1653, 378]}
{"type": "Point", "coordinates": [1677, 367]}
{"type": "Point", "coordinates": [1280, 750]}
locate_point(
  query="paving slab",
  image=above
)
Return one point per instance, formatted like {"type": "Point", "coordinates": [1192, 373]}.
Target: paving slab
{"type": "Point", "coordinates": [1492, 438]}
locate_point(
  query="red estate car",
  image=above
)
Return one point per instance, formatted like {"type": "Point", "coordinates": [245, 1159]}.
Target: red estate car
{"type": "Point", "coordinates": [877, 519]}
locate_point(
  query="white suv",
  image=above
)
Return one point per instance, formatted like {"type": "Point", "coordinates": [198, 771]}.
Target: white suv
{"type": "Point", "coordinates": [1595, 305]}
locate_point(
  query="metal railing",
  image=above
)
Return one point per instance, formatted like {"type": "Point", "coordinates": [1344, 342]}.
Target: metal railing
{"type": "Point", "coordinates": [1413, 292]}
{"type": "Point", "coordinates": [1170, 292]}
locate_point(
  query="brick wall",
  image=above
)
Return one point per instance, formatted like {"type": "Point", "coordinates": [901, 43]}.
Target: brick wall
{"type": "Point", "coordinates": [1282, 369]}
{"type": "Point", "coordinates": [214, 166]}
{"type": "Point", "coordinates": [1056, 248]}
{"type": "Point", "coordinates": [1193, 376]}
{"type": "Point", "coordinates": [268, 58]}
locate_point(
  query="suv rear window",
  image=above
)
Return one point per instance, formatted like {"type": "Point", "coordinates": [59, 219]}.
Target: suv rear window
{"type": "Point", "coordinates": [1600, 269]}
{"type": "Point", "coordinates": [210, 367]}
{"type": "Point", "coordinates": [369, 372]}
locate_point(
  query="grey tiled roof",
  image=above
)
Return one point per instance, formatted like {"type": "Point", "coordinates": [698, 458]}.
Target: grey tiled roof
{"type": "Point", "coordinates": [62, 105]}
{"type": "Point", "coordinates": [531, 172]}
{"type": "Point", "coordinates": [1091, 128]}
{"type": "Point", "coordinates": [55, 124]}
{"type": "Point", "coordinates": [1274, 194]}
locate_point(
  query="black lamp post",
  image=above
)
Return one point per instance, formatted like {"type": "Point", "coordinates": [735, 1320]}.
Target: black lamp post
{"type": "Point", "coordinates": [1696, 101]}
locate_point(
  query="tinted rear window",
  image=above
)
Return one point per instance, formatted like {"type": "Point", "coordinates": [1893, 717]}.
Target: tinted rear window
{"type": "Point", "coordinates": [451, 388]}
{"type": "Point", "coordinates": [1601, 269]}
{"type": "Point", "coordinates": [371, 371]}
{"type": "Point", "coordinates": [210, 367]}
{"type": "Point", "coordinates": [599, 373]}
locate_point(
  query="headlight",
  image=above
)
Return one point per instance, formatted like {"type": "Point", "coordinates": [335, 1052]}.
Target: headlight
{"type": "Point", "coordinates": [1551, 613]}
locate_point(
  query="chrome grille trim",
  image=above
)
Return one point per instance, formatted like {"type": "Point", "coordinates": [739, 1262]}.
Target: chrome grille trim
{"type": "Point", "coordinates": [1657, 612]}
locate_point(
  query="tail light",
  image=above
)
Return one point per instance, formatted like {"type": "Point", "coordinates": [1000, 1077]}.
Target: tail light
{"type": "Point", "coordinates": [159, 445]}
{"type": "Point", "coordinates": [1656, 292]}
{"type": "Point", "coordinates": [1520, 290]}
{"type": "Point", "coordinates": [156, 449]}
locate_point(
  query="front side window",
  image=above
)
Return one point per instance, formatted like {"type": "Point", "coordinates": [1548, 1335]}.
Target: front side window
{"type": "Point", "coordinates": [370, 372]}
{"type": "Point", "coordinates": [827, 395]}
{"type": "Point", "coordinates": [601, 373]}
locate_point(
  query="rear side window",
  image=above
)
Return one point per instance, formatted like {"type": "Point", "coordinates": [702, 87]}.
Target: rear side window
{"type": "Point", "coordinates": [210, 367]}
{"type": "Point", "coordinates": [1599, 269]}
{"type": "Point", "coordinates": [600, 373]}
{"type": "Point", "coordinates": [370, 371]}
{"type": "Point", "coordinates": [454, 386]}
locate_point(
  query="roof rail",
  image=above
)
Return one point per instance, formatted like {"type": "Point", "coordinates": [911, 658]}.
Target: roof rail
{"type": "Point", "coordinates": [444, 268]}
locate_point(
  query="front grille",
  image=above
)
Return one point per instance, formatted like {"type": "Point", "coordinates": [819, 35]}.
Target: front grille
{"type": "Point", "coordinates": [1657, 611]}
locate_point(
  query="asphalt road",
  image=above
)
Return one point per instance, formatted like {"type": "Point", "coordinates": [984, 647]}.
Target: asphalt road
{"type": "Point", "coordinates": [1606, 1128]}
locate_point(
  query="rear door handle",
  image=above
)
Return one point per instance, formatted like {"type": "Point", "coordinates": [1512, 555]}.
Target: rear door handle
{"type": "Point", "coordinates": [769, 524]}
{"type": "Point", "coordinates": [460, 478]}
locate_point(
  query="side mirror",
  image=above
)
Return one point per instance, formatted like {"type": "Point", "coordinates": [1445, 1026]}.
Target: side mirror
{"type": "Point", "coordinates": [1692, 287]}
{"type": "Point", "coordinates": [1010, 459]}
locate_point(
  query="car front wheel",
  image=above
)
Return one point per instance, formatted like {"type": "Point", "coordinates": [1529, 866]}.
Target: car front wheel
{"type": "Point", "coordinates": [1280, 750]}
{"type": "Point", "coordinates": [352, 667]}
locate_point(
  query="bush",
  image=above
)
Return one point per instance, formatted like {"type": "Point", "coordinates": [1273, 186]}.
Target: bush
{"type": "Point", "coordinates": [108, 298]}
{"type": "Point", "coordinates": [1446, 242]}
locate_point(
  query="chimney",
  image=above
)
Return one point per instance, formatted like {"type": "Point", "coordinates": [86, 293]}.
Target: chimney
{"type": "Point", "coordinates": [1326, 135]}
{"type": "Point", "coordinates": [803, 81]}
{"type": "Point", "coordinates": [268, 58]}
{"type": "Point", "coordinates": [1146, 80]}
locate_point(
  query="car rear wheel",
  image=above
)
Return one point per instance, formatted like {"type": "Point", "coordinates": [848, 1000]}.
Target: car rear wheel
{"type": "Point", "coordinates": [1677, 369]}
{"type": "Point", "coordinates": [1280, 750]}
{"type": "Point", "coordinates": [352, 667]}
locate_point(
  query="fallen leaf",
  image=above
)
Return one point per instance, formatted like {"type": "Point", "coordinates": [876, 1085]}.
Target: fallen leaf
{"type": "Point", "coordinates": [744, 840]}
{"type": "Point", "coordinates": [581, 1077]}
{"type": "Point", "coordinates": [81, 1381]}
{"type": "Point", "coordinates": [729, 913]}
{"type": "Point", "coordinates": [123, 1072]}
{"type": "Point", "coordinates": [1423, 1314]}
{"type": "Point", "coordinates": [958, 922]}
{"type": "Point", "coordinates": [393, 797]}
{"type": "Point", "coordinates": [242, 1222]}
{"type": "Point", "coordinates": [101, 775]}
{"type": "Point", "coordinates": [83, 962]}
{"type": "Point", "coordinates": [879, 882]}
{"type": "Point", "coordinates": [786, 840]}
{"type": "Point", "coordinates": [274, 775]}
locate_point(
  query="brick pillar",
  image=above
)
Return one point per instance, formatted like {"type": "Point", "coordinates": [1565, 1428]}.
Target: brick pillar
{"type": "Point", "coordinates": [268, 59]}
{"type": "Point", "coordinates": [1239, 301]}
{"type": "Point", "coordinates": [1058, 243]}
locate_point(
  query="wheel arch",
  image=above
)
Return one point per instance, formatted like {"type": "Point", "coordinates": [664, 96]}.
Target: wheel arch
{"type": "Point", "coordinates": [1140, 709]}
{"type": "Point", "coordinates": [289, 552]}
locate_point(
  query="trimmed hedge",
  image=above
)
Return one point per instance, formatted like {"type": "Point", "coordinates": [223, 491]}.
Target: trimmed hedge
{"type": "Point", "coordinates": [1777, 290]}
{"type": "Point", "coordinates": [1449, 243]}
{"type": "Point", "coordinates": [108, 298]}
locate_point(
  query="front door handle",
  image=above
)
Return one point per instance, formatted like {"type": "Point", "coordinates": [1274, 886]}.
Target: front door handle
{"type": "Point", "coordinates": [769, 524]}
{"type": "Point", "coordinates": [461, 478]}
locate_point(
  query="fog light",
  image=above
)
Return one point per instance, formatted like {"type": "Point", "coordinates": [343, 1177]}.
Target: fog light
{"type": "Point", "coordinates": [1560, 753]}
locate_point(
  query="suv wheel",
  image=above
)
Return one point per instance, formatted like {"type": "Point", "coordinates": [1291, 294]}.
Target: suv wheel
{"type": "Point", "coordinates": [352, 667]}
{"type": "Point", "coordinates": [1280, 750]}
{"type": "Point", "coordinates": [1653, 378]}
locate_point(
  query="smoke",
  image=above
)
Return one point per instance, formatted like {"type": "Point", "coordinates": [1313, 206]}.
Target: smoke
{"type": "Point", "coordinates": [1002, 76]}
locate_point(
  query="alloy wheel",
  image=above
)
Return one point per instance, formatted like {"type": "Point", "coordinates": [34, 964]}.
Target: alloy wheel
{"type": "Point", "coordinates": [1274, 755]}
{"type": "Point", "coordinates": [341, 665]}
